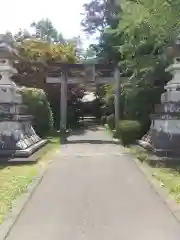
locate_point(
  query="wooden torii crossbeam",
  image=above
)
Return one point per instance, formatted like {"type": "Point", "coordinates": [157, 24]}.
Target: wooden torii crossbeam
{"type": "Point", "coordinates": [63, 74]}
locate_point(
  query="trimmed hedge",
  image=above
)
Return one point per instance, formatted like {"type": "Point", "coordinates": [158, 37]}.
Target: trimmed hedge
{"type": "Point", "coordinates": [111, 121]}
{"type": "Point", "coordinates": [39, 107]}
{"type": "Point", "coordinates": [128, 131]}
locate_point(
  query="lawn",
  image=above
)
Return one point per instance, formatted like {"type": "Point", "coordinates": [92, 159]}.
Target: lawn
{"type": "Point", "coordinates": [15, 179]}
{"type": "Point", "coordinates": [169, 178]}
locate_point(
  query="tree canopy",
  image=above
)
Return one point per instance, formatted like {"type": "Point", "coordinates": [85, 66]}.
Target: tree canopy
{"type": "Point", "coordinates": [99, 16]}
{"type": "Point", "coordinates": [135, 34]}
{"type": "Point", "coordinates": [42, 47]}
{"type": "Point", "coordinates": [45, 30]}
{"type": "Point", "coordinates": [147, 28]}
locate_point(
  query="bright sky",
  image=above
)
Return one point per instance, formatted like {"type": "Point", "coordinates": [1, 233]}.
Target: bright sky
{"type": "Point", "coordinates": [65, 15]}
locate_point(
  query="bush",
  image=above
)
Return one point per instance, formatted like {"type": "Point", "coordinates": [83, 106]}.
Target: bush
{"type": "Point", "coordinates": [140, 104]}
{"type": "Point", "coordinates": [39, 107]}
{"type": "Point", "coordinates": [128, 131]}
{"type": "Point", "coordinates": [111, 121]}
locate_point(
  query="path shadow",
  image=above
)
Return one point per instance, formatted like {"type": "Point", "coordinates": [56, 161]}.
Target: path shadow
{"type": "Point", "coordinates": [4, 162]}
{"type": "Point", "coordinates": [32, 159]}
{"type": "Point", "coordinates": [172, 164]}
{"type": "Point", "coordinates": [82, 129]}
{"type": "Point", "coordinates": [90, 142]}
{"type": "Point", "coordinates": [159, 162]}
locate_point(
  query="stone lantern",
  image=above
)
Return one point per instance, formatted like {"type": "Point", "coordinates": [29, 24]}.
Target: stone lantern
{"type": "Point", "coordinates": [164, 135]}
{"type": "Point", "coordinates": [17, 136]}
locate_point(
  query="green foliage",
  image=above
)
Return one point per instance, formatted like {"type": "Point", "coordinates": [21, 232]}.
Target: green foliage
{"type": "Point", "coordinates": [100, 15]}
{"type": "Point", "coordinates": [40, 50]}
{"type": "Point", "coordinates": [108, 108]}
{"type": "Point", "coordinates": [39, 108]}
{"type": "Point", "coordinates": [111, 121]}
{"type": "Point", "coordinates": [128, 131]}
{"type": "Point", "coordinates": [147, 27]}
{"type": "Point", "coordinates": [108, 104]}
{"type": "Point", "coordinates": [94, 16]}
{"type": "Point", "coordinates": [139, 104]}
{"type": "Point", "coordinates": [35, 55]}
{"type": "Point", "coordinates": [137, 38]}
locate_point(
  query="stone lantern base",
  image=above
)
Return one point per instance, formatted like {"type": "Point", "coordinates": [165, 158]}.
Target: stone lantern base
{"type": "Point", "coordinates": [166, 130]}
{"type": "Point", "coordinates": [164, 135]}
{"type": "Point", "coordinates": [18, 139]}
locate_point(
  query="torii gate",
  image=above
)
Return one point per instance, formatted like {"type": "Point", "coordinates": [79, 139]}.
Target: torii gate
{"type": "Point", "coordinates": [63, 74]}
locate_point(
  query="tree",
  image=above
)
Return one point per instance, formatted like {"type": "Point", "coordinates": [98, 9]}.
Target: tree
{"type": "Point", "coordinates": [89, 53]}
{"type": "Point", "coordinates": [99, 16]}
{"type": "Point", "coordinates": [147, 29]}
{"type": "Point", "coordinates": [78, 45]}
{"type": "Point", "coordinates": [136, 35]}
{"type": "Point", "coordinates": [36, 54]}
{"type": "Point", "coordinates": [45, 30]}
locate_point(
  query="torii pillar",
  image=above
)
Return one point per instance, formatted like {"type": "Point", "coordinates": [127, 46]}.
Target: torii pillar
{"type": "Point", "coordinates": [63, 104]}
{"type": "Point", "coordinates": [117, 97]}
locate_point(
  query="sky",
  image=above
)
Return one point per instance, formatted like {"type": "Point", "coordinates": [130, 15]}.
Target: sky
{"type": "Point", "coordinates": [64, 14]}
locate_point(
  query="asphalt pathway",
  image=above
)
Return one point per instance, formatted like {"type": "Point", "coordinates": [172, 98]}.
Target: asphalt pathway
{"type": "Point", "coordinates": [94, 191]}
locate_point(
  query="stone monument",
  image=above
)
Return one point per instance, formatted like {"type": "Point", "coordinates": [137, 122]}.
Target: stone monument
{"type": "Point", "coordinates": [17, 136]}
{"type": "Point", "coordinates": [164, 135]}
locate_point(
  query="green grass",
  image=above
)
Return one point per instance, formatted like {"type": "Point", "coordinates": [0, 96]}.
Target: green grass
{"type": "Point", "coordinates": [170, 177]}
{"type": "Point", "coordinates": [171, 180]}
{"type": "Point", "coordinates": [15, 179]}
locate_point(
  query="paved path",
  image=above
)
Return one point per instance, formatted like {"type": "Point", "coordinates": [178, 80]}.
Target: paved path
{"type": "Point", "coordinates": [95, 192]}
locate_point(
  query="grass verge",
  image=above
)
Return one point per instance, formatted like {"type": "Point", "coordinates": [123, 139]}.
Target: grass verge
{"type": "Point", "coordinates": [169, 178]}
{"type": "Point", "coordinates": [15, 179]}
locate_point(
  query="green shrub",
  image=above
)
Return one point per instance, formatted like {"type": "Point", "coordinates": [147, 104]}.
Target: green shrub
{"type": "Point", "coordinates": [128, 131]}
{"type": "Point", "coordinates": [139, 104]}
{"type": "Point", "coordinates": [39, 107]}
{"type": "Point", "coordinates": [111, 121]}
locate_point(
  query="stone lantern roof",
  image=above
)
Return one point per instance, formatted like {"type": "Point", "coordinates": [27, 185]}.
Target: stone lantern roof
{"type": "Point", "coordinates": [7, 55]}
{"type": "Point", "coordinates": [6, 49]}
